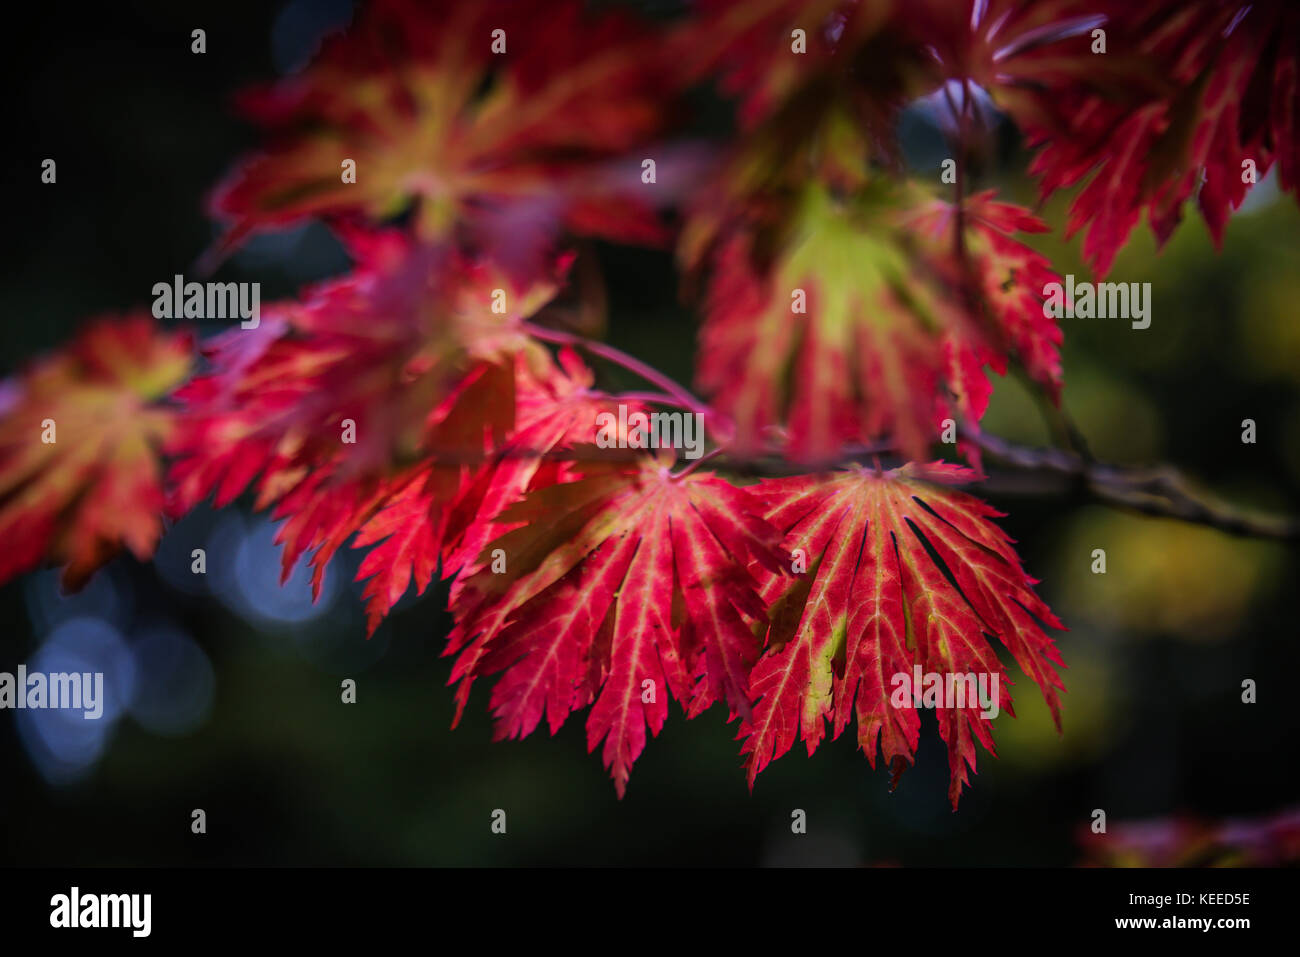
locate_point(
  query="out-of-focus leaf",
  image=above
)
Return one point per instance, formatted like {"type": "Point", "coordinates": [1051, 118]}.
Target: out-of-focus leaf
{"type": "Point", "coordinates": [80, 432]}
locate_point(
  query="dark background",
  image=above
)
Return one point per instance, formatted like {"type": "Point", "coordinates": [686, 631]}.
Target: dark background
{"type": "Point", "coordinates": [236, 709]}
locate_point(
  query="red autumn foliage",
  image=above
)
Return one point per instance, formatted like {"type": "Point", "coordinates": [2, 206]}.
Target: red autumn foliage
{"type": "Point", "coordinates": [413, 407]}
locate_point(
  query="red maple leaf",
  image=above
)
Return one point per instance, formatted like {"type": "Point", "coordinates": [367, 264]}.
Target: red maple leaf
{"type": "Point", "coordinates": [80, 476]}
{"type": "Point", "coordinates": [365, 410]}
{"type": "Point", "coordinates": [556, 409]}
{"type": "Point", "coordinates": [1034, 59]}
{"type": "Point", "coordinates": [864, 322]}
{"type": "Point", "coordinates": [872, 603]}
{"type": "Point", "coordinates": [497, 150]}
{"type": "Point", "coordinates": [622, 589]}
{"type": "Point", "coordinates": [403, 516]}
{"type": "Point", "coordinates": [1228, 95]}
{"type": "Point", "coordinates": [1004, 280]}
{"type": "Point", "coordinates": [1167, 102]}
{"type": "Point", "coordinates": [790, 61]}
{"type": "Point", "coordinates": [557, 416]}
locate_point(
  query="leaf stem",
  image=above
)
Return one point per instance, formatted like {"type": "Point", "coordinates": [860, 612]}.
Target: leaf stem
{"type": "Point", "coordinates": [678, 392]}
{"type": "Point", "coordinates": [654, 398]}
{"type": "Point", "coordinates": [692, 466]}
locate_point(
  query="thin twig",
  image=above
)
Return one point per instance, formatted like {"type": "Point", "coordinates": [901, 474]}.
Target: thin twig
{"type": "Point", "coordinates": [621, 358]}
{"type": "Point", "coordinates": [1158, 490]}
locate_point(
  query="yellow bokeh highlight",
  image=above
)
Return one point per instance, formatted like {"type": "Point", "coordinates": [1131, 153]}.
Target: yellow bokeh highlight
{"type": "Point", "coordinates": [1162, 575]}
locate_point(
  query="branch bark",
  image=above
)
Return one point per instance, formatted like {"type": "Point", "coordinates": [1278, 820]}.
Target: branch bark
{"type": "Point", "coordinates": [1160, 490]}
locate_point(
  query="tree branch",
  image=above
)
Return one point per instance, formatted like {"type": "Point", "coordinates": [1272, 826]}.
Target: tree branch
{"type": "Point", "coordinates": [1160, 490]}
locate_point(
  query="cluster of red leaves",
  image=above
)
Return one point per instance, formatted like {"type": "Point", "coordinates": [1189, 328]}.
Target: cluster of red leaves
{"type": "Point", "coordinates": [497, 150]}
{"type": "Point", "coordinates": [626, 587]}
{"type": "Point", "coordinates": [408, 352]}
{"type": "Point", "coordinates": [1182, 96]}
{"type": "Point", "coordinates": [1220, 90]}
{"type": "Point", "coordinates": [411, 409]}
